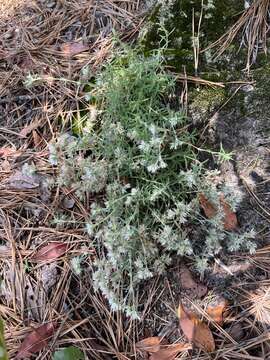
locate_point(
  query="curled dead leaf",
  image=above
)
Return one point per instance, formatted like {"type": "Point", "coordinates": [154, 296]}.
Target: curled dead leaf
{"type": "Point", "coordinates": [209, 209]}
{"type": "Point", "coordinates": [230, 220]}
{"type": "Point", "coordinates": [50, 252]}
{"type": "Point", "coordinates": [195, 330]}
{"type": "Point", "coordinates": [170, 352]}
{"type": "Point", "coordinates": [203, 337]}
{"type": "Point", "coordinates": [73, 48]}
{"type": "Point", "coordinates": [186, 322]}
{"type": "Point", "coordinates": [150, 344]}
{"type": "Point", "coordinates": [216, 311]}
{"type": "Point", "coordinates": [36, 340]}
{"type": "Point", "coordinates": [188, 283]}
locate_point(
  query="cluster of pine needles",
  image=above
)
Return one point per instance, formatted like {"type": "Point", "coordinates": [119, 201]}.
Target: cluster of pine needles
{"type": "Point", "coordinates": [252, 29]}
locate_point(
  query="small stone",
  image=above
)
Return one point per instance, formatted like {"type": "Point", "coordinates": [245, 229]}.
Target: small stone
{"type": "Point", "coordinates": [68, 203]}
{"type": "Point", "coordinates": [248, 88]}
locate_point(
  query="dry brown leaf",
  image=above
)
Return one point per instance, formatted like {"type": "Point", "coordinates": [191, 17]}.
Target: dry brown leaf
{"type": "Point", "coordinates": [188, 283]}
{"type": "Point", "coordinates": [216, 311]}
{"type": "Point", "coordinates": [230, 219]}
{"type": "Point", "coordinates": [208, 208]}
{"type": "Point", "coordinates": [203, 337]}
{"type": "Point", "coordinates": [29, 128]}
{"type": "Point", "coordinates": [195, 330]}
{"type": "Point", "coordinates": [36, 340]}
{"type": "Point", "coordinates": [50, 252]}
{"type": "Point", "coordinates": [170, 352]}
{"type": "Point", "coordinates": [150, 344]}
{"type": "Point", "coordinates": [23, 182]}
{"type": "Point", "coordinates": [9, 151]}
{"type": "Point", "coordinates": [186, 322]}
{"type": "Point", "coordinates": [37, 139]}
{"type": "Point", "coordinates": [73, 48]}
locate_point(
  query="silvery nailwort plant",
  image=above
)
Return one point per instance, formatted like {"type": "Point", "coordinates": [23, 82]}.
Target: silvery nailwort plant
{"type": "Point", "coordinates": [138, 158]}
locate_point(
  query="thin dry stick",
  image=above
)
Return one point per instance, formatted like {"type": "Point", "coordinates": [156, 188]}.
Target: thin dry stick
{"type": "Point", "coordinates": [196, 39]}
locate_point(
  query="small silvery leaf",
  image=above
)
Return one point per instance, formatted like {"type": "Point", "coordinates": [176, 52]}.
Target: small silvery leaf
{"type": "Point", "coordinates": [76, 265]}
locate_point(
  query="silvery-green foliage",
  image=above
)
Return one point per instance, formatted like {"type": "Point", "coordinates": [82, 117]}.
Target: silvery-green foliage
{"type": "Point", "coordinates": [139, 156]}
{"type": "Point", "coordinates": [76, 264]}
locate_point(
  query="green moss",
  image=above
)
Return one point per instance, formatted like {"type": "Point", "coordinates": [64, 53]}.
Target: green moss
{"type": "Point", "coordinates": [205, 101]}
{"type": "Point", "coordinates": [176, 18]}
{"type": "Point", "coordinates": [261, 77]}
{"type": "Point", "coordinates": [259, 100]}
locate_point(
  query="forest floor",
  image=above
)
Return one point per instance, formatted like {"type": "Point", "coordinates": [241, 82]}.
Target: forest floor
{"type": "Point", "coordinates": [53, 41]}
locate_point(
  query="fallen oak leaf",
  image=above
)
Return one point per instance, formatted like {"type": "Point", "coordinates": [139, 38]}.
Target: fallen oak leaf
{"type": "Point", "coordinates": [50, 252]}
{"type": "Point", "coordinates": [73, 48]}
{"type": "Point", "coordinates": [188, 283]}
{"type": "Point", "coordinates": [170, 352]}
{"type": "Point", "coordinates": [229, 221]}
{"type": "Point", "coordinates": [195, 330]}
{"type": "Point", "coordinates": [216, 311]}
{"type": "Point", "coordinates": [36, 340]}
{"type": "Point", "coordinates": [209, 209]}
{"type": "Point", "coordinates": [186, 323]}
{"type": "Point", "coordinates": [150, 344]}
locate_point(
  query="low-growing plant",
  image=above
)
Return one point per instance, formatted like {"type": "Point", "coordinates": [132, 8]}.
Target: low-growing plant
{"type": "Point", "coordinates": [137, 154]}
{"type": "Point", "coordinates": [69, 353]}
{"type": "Point", "coordinates": [3, 350]}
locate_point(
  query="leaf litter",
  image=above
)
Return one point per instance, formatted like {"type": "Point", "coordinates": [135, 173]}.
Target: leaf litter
{"type": "Point", "coordinates": [50, 252]}
{"type": "Point", "coordinates": [187, 282]}
{"type": "Point", "coordinates": [36, 340]}
{"type": "Point", "coordinates": [151, 344]}
{"type": "Point", "coordinates": [230, 220]}
{"type": "Point", "coordinates": [73, 48]}
{"type": "Point", "coordinates": [216, 310]}
{"type": "Point", "coordinates": [170, 352]}
{"type": "Point", "coordinates": [195, 330]}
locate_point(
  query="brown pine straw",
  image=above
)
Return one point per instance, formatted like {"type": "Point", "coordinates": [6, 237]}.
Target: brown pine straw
{"type": "Point", "coordinates": [35, 47]}
{"type": "Point", "coordinates": [252, 27]}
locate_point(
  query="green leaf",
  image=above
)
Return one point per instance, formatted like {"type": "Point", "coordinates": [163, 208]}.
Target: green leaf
{"type": "Point", "coordinates": [3, 351]}
{"type": "Point", "coordinates": [69, 353]}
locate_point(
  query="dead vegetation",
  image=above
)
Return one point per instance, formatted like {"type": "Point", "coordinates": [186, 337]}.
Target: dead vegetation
{"type": "Point", "coordinates": [252, 28]}
{"type": "Point", "coordinates": [39, 284]}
